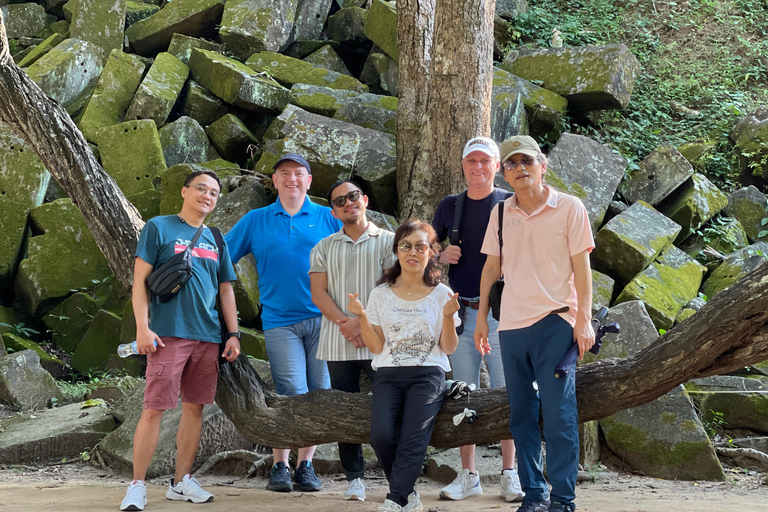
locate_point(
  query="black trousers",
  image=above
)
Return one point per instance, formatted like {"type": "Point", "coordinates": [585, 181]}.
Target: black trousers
{"type": "Point", "coordinates": [345, 376]}
{"type": "Point", "coordinates": [405, 399]}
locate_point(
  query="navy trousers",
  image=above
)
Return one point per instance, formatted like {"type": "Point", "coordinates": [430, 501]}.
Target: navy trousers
{"type": "Point", "coordinates": [406, 399]}
{"type": "Point", "coordinates": [531, 354]}
{"type": "Point", "coordinates": [345, 376]}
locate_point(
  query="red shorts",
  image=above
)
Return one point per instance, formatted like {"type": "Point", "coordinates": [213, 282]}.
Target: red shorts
{"type": "Point", "coordinates": [187, 366]}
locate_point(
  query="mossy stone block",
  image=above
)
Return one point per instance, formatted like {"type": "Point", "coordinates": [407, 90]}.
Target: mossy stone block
{"type": "Point", "coordinates": [68, 72]}
{"type": "Point", "coordinates": [584, 168]}
{"type": "Point", "coordinates": [25, 19]}
{"type": "Point", "coordinates": [735, 266]}
{"type": "Point", "coordinates": [24, 383]}
{"type": "Point", "coordinates": [388, 73]}
{"type": "Point", "coordinates": [665, 286]}
{"type": "Point", "coordinates": [684, 315]}
{"type": "Point", "coordinates": [740, 409]}
{"type": "Point", "coordinates": [347, 25]}
{"type": "Point", "coordinates": [23, 182]}
{"type": "Point", "coordinates": [508, 114]}
{"type": "Point", "coordinates": [128, 323]}
{"type": "Point", "coordinates": [11, 317]}
{"type": "Point", "coordinates": [637, 332]}
{"type": "Point", "coordinates": [659, 174]}
{"type": "Point", "coordinates": [185, 141]}
{"type": "Point", "coordinates": [231, 137]}
{"type": "Point", "coordinates": [664, 439]}
{"type": "Point", "coordinates": [381, 26]}
{"type": "Point", "coordinates": [311, 16]}
{"type": "Point", "coordinates": [589, 77]}
{"type": "Point", "coordinates": [159, 90]}
{"type": "Point", "coordinates": [201, 104]}
{"type": "Point", "coordinates": [181, 46]}
{"type": "Point", "coordinates": [288, 71]}
{"type": "Point", "coordinates": [252, 343]}
{"type": "Point", "coordinates": [374, 118]}
{"type": "Point", "coordinates": [748, 205]}
{"type": "Point", "coordinates": [750, 135]}
{"type": "Point", "coordinates": [698, 153]}
{"type": "Point", "coordinates": [236, 83]}
{"type": "Point", "coordinates": [602, 291]}
{"type": "Point", "coordinates": [101, 22]}
{"type": "Point", "coordinates": [137, 11]}
{"type": "Point", "coordinates": [113, 93]}
{"type": "Point", "coordinates": [70, 319]}
{"type": "Point", "coordinates": [249, 26]}
{"type": "Point", "coordinates": [196, 18]}
{"type": "Point", "coordinates": [327, 58]}
{"type": "Point", "coordinates": [327, 101]}
{"type": "Point", "coordinates": [40, 50]}
{"type": "Point", "coordinates": [97, 351]}
{"type": "Point", "coordinates": [52, 365]}
{"type": "Point", "coordinates": [64, 257]}
{"type": "Point", "coordinates": [692, 204]}
{"type": "Point", "coordinates": [630, 241]}
{"type": "Point", "coordinates": [727, 235]}
{"type": "Point", "coordinates": [132, 154]}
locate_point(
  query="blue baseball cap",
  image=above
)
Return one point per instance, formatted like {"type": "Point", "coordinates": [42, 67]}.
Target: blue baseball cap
{"type": "Point", "coordinates": [294, 157]}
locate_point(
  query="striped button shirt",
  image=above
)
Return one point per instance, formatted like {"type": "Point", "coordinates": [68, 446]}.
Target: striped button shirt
{"type": "Point", "coordinates": [351, 267]}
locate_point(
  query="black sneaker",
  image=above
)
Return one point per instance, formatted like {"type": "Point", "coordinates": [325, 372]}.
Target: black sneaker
{"type": "Point", "coordinates": [280, 478]}
{"type": "Point", "coordinates": [534, 506]}
{"type": "Point", "coordinates": [305, 477]}
{"type": "Point", "coordinates": [556, 506]}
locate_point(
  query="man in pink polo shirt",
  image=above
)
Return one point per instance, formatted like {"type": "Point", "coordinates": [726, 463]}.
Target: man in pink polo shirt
{"type": "Point", "coordinates": [545, 307]}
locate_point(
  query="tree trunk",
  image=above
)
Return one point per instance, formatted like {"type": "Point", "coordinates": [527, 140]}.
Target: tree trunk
{"type": "Point", "coordinates": [47, 128]}
{"type": "Point", "coordinates": [727, 334]}
{"type": "Point", "coordinates": [415, 23]}
{"type": "Point", "coordinates": [461, 79]}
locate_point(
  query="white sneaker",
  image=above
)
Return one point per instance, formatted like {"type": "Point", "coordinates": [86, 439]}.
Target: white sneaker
{"type": "Point", "coordinates": [135, 496]}
{"type": "Point", "coordinates": [510, 486]}
{"type": "Point", "coordinates": [463, 486]}
{"type": "Point", "coordinates": [414, 503]}
{"type": "Point", "coordinates": [390, 506]}
{"type": "Point", "coordinates": [355, 490]}
{"type": "Point", "coordinates": [188, 490]}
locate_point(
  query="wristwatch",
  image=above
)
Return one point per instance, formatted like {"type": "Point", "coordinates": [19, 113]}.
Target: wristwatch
{"type": "Point", "coordinates": [236, 334]}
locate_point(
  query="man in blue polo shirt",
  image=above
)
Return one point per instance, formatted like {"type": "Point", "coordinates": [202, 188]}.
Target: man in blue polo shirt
{"type": "Point", "coordinates": [280, 237]}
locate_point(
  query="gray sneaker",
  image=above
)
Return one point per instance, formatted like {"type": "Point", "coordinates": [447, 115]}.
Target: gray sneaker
{"type": "Point", "coordinates": [414, 503]}
{"type": "Point", "coordinates": [510, 486]}
{"type": "Point", "coordinates": [534, 506]}
{"type": "Point", "coordinates": [355, 490]}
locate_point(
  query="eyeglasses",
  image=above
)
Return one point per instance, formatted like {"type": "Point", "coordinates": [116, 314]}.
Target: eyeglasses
{"type": "Point", "coordinates": [342, 200]}
{"type": "Point", "coordinates": [509, 165]}
{"type": "Point", "coordinates": [205, 190]}
{"type": "Point", "coordinates": [406, 246]}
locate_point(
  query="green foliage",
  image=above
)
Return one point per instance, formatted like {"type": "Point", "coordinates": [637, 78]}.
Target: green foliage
{"type": "Point", "coordinates": [715, 425]}
{"type": "Point", "coordinates": [703, 67]}
{"type": "Point", "coordinates": [20, 329]}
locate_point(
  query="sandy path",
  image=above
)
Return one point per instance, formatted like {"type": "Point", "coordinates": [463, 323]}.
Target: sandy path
{"type": "Point", "coordinates": [616, 493]}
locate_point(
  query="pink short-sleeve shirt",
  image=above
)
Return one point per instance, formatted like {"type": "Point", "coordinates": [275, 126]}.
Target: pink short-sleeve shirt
{"type": "Point", "coordinates": [537, 266]}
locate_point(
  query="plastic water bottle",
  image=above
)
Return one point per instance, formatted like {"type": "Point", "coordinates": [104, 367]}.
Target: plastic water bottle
{"type": "Point", "coordinates": [129, 349]}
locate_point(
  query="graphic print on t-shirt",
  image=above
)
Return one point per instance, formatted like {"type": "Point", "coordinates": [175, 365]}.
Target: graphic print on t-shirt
{"type": "Point", "coordinates": [203, 250]}
{"type": "Point", "coordinates": [411, 340]}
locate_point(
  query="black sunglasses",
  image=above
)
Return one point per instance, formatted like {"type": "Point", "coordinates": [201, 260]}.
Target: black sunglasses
{"type": "Point", "coordinates": [342, 200]}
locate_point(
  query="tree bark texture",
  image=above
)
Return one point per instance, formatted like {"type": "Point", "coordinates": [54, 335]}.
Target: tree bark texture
{"type": "Point", "coordinates": [728, 333]}
{"type": "Point", "coordinates": [415, 25]}
{"type": "Point", "coordinates": [444, 100]}
{"type": "Point", "coordinates": [47, 128]}
{"type": "Point", "coordinates": [461, 79]}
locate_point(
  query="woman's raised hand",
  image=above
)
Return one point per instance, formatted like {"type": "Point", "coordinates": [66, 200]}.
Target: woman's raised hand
{"type": "Point", "coordinates": [355, 306]}
{"type": "Point", "coordinates": [452, 306]}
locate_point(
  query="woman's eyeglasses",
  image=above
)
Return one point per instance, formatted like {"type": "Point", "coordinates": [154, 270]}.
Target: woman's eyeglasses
{"type": "Point", "coordinates": [342, 200]}
{"type": "Point", "coordinates": [406, 246]}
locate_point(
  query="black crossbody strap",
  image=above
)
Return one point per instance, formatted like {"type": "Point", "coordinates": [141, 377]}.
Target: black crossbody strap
{"type": "Point", "coordinates": [199, 232]}
{"type": "Point", "coordinates": [501, 238]}
{"type": "Point", "coordinates": [458, 212]}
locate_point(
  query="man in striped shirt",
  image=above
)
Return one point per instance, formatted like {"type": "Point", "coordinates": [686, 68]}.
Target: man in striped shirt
{"type": "Point", "coordinates": [348, 261]}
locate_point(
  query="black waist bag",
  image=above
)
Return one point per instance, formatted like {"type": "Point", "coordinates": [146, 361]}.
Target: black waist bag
{"type": "Point", "coordinates": [166, 280]}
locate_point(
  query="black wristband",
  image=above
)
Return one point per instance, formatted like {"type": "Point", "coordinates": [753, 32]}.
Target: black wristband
{"type": "Point", "coordinates": [235, 334]}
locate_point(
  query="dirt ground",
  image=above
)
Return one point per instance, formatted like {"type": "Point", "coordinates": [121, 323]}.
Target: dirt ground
{"type": "Point", "coordinates": [77, 487]}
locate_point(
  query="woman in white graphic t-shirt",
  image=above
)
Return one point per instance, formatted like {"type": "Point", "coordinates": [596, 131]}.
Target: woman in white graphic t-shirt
{"type": "Point", "coordinates": [409, 323]}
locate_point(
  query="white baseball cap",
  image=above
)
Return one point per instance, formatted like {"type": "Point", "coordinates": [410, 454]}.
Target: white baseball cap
{"type": "Point", "coordinates": [484, 144]}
